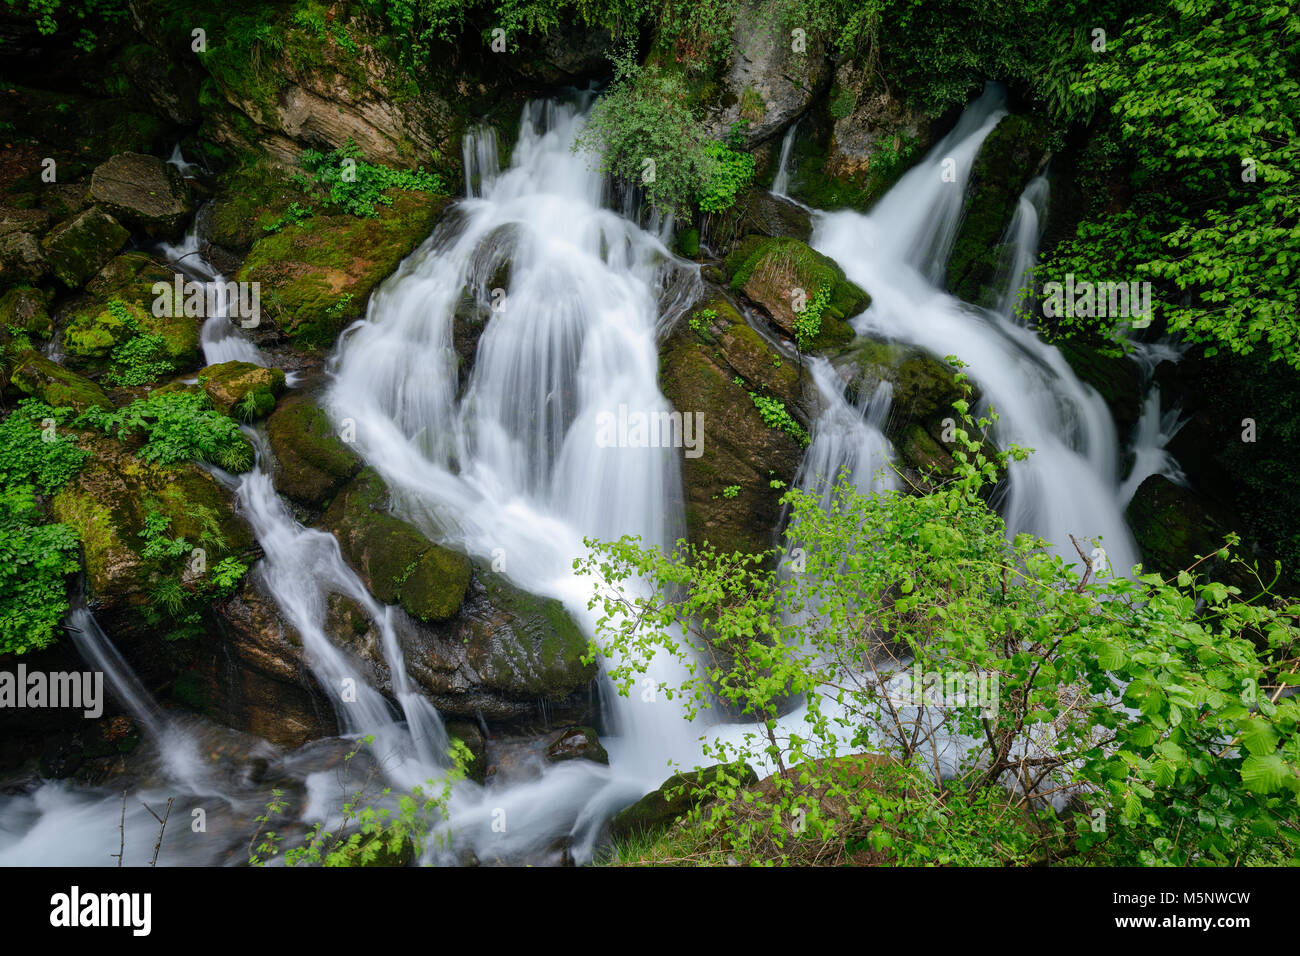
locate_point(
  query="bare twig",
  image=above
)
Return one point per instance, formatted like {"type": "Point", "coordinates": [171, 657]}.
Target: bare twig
{"type": "Point", "coordinates": [162, 820]}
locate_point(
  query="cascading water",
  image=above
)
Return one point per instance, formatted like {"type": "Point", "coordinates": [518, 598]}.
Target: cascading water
{"type": "Point", "coordinates": [1022, 238]}
{"type": "Point", "coordinates": [781, 182]}
{"type": "Point", "coordinates": [898, 252]}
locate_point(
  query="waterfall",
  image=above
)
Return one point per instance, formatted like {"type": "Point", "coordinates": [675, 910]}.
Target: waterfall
{"type": "Point", "coordinates": [847, 438]}
{"type": "Point", "coordinates": [781, 182]}
{"type": "Point", "coordinates": [1022, 240]}
{"type": "Point", "coordinates": [1070, 484]}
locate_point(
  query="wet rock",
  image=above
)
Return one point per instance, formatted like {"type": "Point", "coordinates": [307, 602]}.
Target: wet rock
{"type": "Point", "coordinates": [34, 375]}
{"type": "Point", "coordinates": [312, 464]}
{"type": "Point", "coordinates": [710, 367]}
{"type": "Point", "coordinates": [577, 743]}
{"type": "Point", "coordinates": [468, 733]}
{"type": "Point", "coordinates": [398, 564]}
{"type": "Point", "coordinates": [507, 656]}
{"type": "Point", "coordinates": [241, 389]}
{"type": "Point", "coordinates": [1008, 159]}
{"type": "Point", "coordinates": [253, 676]}
{"type": "Point", "coordinates": [143, 192]}
{"type": "Point", "coordinates": [1117, 378]}
{"type": "Point", "coordinates": [675, 798]}
{"type": "Point", "coordinates": [756, 212]}
{"type": "Point", "coordinates": [1173, 525]}
{"type": "Point", "coordinates": [779, 274]}
{"type": "Point", "coordinates": [80, 247]}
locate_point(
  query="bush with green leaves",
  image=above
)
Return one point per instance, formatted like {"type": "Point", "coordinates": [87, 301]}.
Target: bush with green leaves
{"type": "Point", "coordinates": [1158, 710]}
{"type": "Point", "coordinates": [342, 179]}
{"type": "Point", "coordinates": [139, 360]}
{"type": "Point", "coordinates": [1205, 99]}
{"type": "Point", "coordinates": [35, 450]}
{"type": "Point", "coordinates": [35, 561]}
{"type": "Point", "coordinates": [176, 427]}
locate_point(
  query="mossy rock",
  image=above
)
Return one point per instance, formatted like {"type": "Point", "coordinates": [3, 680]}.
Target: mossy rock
{"type": "Point", "coordinates": [250, 200]}
{"type": "Point", "coordinates": [93, 328]}
{"type": "Point", "coordinates": [33, 374]}
{"type": "Point", "coordinates": [756, 212]}
{"type": "Point", "coordinates": [741, 453]}
{"type": "Point", "coordinates": [142, 192]}
{"type": "Point", "coordinates": [80, 247]}
{"type": "Point", "coordinates": [674, 798]}
{"type": "Point", "coordinates": [577, 743]}
{"type": "Point", "coordinates": [107, 503]}
{"type": "Point", "coordinates": [27, 309]}
{"type": "Point", "coordinates": [923, 387]}
{"type": "Point", "coordinates": [775, 273]}
{"type": "Point", "coordinates": [312, 464]}
{"type": "Point", "coordinates": [318, 276]}
{"type": "Point", "coordinates": [241, 389]}
{"type": "Point", "coordinates": [1008, 159]}
{"type": "Point", "coordinates": [21, 259]}
{"type": "Point", "coordinates": [1174, 525]}
{"type": "Point", "coordinates": [398, 564]}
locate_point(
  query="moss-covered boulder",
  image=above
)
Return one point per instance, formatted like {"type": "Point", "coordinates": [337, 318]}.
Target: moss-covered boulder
{"type": "Point", "coordinates": [779, 275]}
{"type": "Point", "coordinates": [508, 656]}
{"type": "Point", "coordinates": [577, 743]}
{"type": "Point", "coordinates": [1174, 525]}
{"type": "Point", "coordinates": [80, 247]}
{"type": "Point", "coordinates": [241, 389]}
{"type": "Point", "coordinates": [716, 366]}
{"type": "Point", "coordinates": [21, 258]}
{"type": "Point", "coordinates": [922, 389]}
{"type": "Point", "coordinates": [34, 375]}
{"type": "Point", "coordinates": [311, 463]}
{"type": "Point", "coordinates": [317, 277]}
{"type": "Point", "coordinates": [107, 503]}
{"type": "Point", "coordinates": [675, 798]}
{"type": "Point", "coordinates": [27, 309]}
{"type": "Point", "coordinates": [1009, 157]}
{"type": "Point", "coordinates": [143, 192]}
{"type": "Point", "coordinates": [118, 305]}
{"type": "Point", "coordinates": [250, 200]}
{"type": "Point", "coordinates": [398, 564]}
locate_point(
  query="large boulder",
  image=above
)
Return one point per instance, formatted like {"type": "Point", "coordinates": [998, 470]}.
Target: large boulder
{"type": "Point", "coordinates": [577, 743]}
{"type": "Point", "coordinates": [311, 463]}
{"type": "Point", "coordinates": [674, 798]}
{"type": "Point", "coordinates": [779, 275]}
{"type": "Point", "coordinates": [324, 271]}
{"type": "Point", "coordinates": [22, 258]}
{"type": "Point", "coordinates": [108, 502]}
{"type": "Point", "coordinates": [756, 212]}
{"type": "Point", "coordinates": [1010, 156]}
{"type": "Point", "coordinates": [143, 192]}
{"type": "Point", "coordinates": [716, 365]}
{"type": "Point", "coordinates": [80, 247]}
{"type": "Point", "coordinates": [768, 81]}
{"type": "Point", "coordinates": [398, 564]}
{"type": "Point", "coordinates": [241, 389]}
{"type": "Point", "coordinates": [34, 375]}
{"type": "Point", "coordinates": [508, 656]}
{"type": "Point", "coordinates": [1175, 525]}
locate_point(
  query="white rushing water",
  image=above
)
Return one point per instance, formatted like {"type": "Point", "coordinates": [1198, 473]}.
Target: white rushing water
{"type": "Point", "coordinates": [898, 253]}
{"type": "Point", "coordinates": [569, 300]}
{"type": "Point", "coordinates": [781, 182]}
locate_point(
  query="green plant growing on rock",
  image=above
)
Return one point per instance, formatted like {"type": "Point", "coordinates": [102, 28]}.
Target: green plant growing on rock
{"type": "Point", "coordinates": [776, 415]}
{"type": "Point", "coordinates": [343, 179]}
{"type": "Point", "coordinates": [808, 323]}
{"type": "Point", "coordinates": [177, 427]}
{"type": "Point", "coordinates": [36, 558]}
{"type": "Point", "coordinates": [34, 451]}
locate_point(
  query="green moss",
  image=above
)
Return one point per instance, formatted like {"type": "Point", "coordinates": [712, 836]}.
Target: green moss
{"type": "Point", "coordinates": [35, 375]}
{"type": "Point", "coordinates": [311, 462]}
{"type": "Point", "coordinates": [27, 309]}
{"type": "Point", "coordinates": [316, 277]}
{"type": "Point", "coordinates": [77, 249]}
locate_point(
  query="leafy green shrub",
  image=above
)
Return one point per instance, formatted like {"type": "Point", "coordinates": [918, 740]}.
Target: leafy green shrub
{"type": "Point", "coordinates": [808, 323]}
{"type": "Point", "coordinates": [730, 172]}
{"type": "Point", "coordinates": [1156, 707]}
{"type": "Point", "coordinates": [177, 427]}
{"type": "Point", "coordinates": [32, 453]}
{"type": "Point", "coordinates": [342, 179]}
{"type": "Point", "coordinates": [35, 561]}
